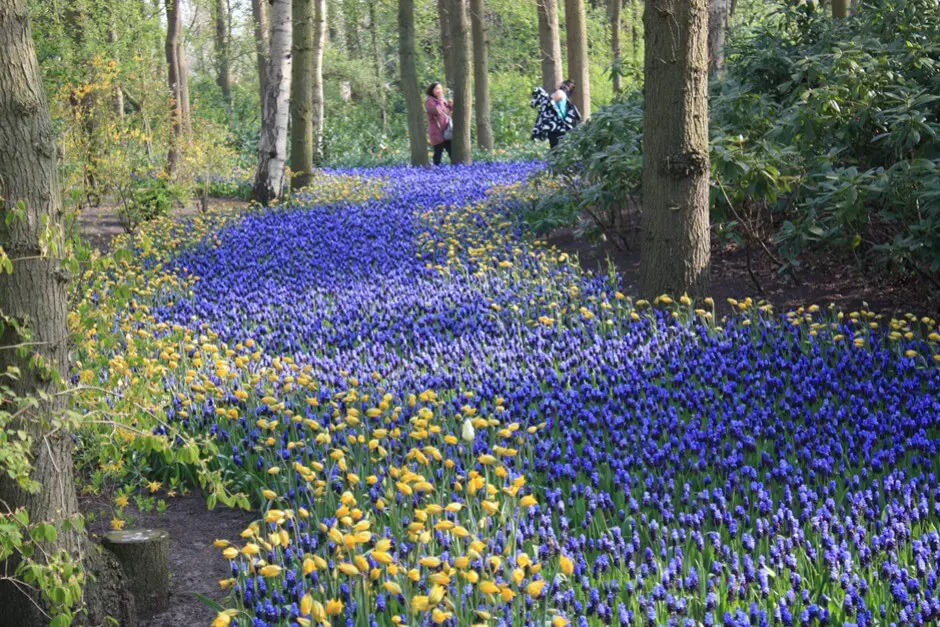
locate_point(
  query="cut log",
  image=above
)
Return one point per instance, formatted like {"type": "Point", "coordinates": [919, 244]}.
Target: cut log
{"type": "Point", "coordinates": [144, 556]}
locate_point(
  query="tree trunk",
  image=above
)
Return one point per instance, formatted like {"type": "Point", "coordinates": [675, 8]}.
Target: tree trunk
{"type": "Point", "coordinates": [222, 37]}
{"type": "Point", "coordinates": [634, 31]}
{"type": "Point", "coordinates": [840, 9]}
{"type": "Point", "coordinates": [378, 51]}
{"type": "Point", "coordinates": [34, 295]}
{"type": "Point", "coordinates": [316, 78]}
{"type": "Point", "coordinates": [117, 92]}
{"type": "Point", "coordinates": [184, 85]}
{"type": "Point", "coordinates": [717, 28]}
{"type": "Point", "coordinates": [463, 93]}
{"type": "Point", "coordinates": [614, 10]}
{"type": "Point", "coordinates": [578, 64]}
{"type": "Point", "coordinates": [550, 44]}
{"type": "Point", "coordinates": [272, 147]}
{"type": "Point", "coordinates": [338, 38]}
{"type": "Point", "coordinates": [259, 11]}
{"type": "Point", "coordinates": [301, 98]}
{"type": "Point", "coordinates": [171, 48]}
{"type": "Point", "coordinates": [444, 11]}
{"type": "Point", "coordinates": [409, 82]}
{"type": "Point", "coordinates": [675, 253]}
{"type": "Point", "coordinates": [481, 68]}
{"type": "Point", "coordinates": [144, 556]}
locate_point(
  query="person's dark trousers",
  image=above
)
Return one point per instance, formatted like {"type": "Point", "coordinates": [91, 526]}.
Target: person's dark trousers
{"type": "Point", "coordinates": [554, 139]}
{"type": "Point", "coordinates": [439, 151]}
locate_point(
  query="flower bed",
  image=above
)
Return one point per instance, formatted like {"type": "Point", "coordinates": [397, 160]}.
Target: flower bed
{"type": "Point", "coordinates": [442, 421]}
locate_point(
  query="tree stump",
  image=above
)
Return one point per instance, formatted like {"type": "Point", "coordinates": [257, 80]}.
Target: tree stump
{"type": "Point", "coordinates": [144, 556]}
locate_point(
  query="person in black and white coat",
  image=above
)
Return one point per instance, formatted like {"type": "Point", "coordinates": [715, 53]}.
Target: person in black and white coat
{"type": "Point", "coordinates": [557, 113]}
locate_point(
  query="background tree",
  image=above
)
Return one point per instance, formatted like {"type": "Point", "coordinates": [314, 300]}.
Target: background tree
{"type": "Point", "coordinates": [460, 36]}
{"type": "Point", "coordinates": [301, 98]}
{"type": "Point", "coordinates": [272, 147]}
{"type": "Point", "coordinates": [840, 9]}
{"type": "Point", "coordinates": [409, 82]}
{"type": "Point", "coordinates": [378, 55]}
{"type": "Point", "coordinates": [578, 62]}
{"type": "Point", "coordinates": [550, 44]}
{"type": "Point", "coordinates": [174, 25]}
{"type": "Point", "coordinates": [259, 14]}
{"type": "Point", "coordinates": [316, 78]}
{"type": "Point", "coordinates": [675, 250]}
{"type": "Point", "coordinates": [481, 81]}
{"type": "Point", "coordinates": [34, 308]}
{"type": "Point", "coordinates": [223, 36]}
{"type": "Point", "coordinates": [614, 11]}
{"type": "Point", "coordinates": [444, 13]}
{"type": "Point", "coordinates": [718, 11]}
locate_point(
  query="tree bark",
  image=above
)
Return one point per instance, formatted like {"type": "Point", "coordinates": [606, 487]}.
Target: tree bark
{"type": "Point", "coordinates": [301, 98]}
{"type": "Point", "coordinates": [259, 11]}
{"type": "Point", "coordinates": [717, 28]}
{"type": "Point", "coordinates": [444, 11]}
{"type": "Point", "coordinates": [614, 11]}
{"type": "Point", "coordinates": [460, 36]}
{"type": "Point", "coordinates": [409, 82]}
{"type": "Point", "coordinates": [184, 85]}
{"type": "Point", "coordinates": [117, 92]}
{"type": "Point", "coordinates": [316, 78]}
{"type": "Point", "coordinates": [34, 295]}
{"type": "Point", "coordinates": [222, 53]}
{"type": "Point", "coordinates": [481, 68]}
{"type": "Point", "coordinates": [171, 48]}
{"type": "Point", "coordinates": [378, 51]}
{"type": "Point", "coordinates": [840, 9]}
{"type": "Point", "coordinates": [269, 179]}
{"type": "Point", "coordinates": [550, 44]}
{"type": "Point", "coordinates": [634, 31]}
{"type": "Point", "coordinates": [675, 252]}
{"type": "Point", "coordinates": [144, 556]}
{"type": "Point", "coordinates": [578, 63]}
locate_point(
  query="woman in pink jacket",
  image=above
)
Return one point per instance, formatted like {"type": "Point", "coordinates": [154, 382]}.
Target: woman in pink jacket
{"type": "Point", "coordinates": [439, 113]}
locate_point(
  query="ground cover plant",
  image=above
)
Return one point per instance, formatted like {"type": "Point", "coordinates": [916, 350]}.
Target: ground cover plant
{"type": "Point", "coordinates": [441, 421]}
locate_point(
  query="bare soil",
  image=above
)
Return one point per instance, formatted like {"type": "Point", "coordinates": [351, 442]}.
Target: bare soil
{"type": "Point", "coordinates": [820, 280]}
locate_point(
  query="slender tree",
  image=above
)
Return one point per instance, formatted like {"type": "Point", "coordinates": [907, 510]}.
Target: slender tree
{"type": "Point", "coordinates": [301, 97]}
{"type": "Point", "coordinates": [675, 251]}
{"type": "Point", "coordinates": [444, 11]}
{"type": "Point", "coordinates": [409, 82]}
{"type": "Point", "coordinates": [316, 77]}
{"type": "Point", "coordinates": [481, 69]}
{"type": "Point", "coordinates": [718, 11]}
{"type": "Point", "coordinates": [578, 63]}
{"type": "Point", "coordinates": [460, 37]}
{"type": "Point", "coordinates": [840, 9]}
{"type": "Point", "coordinates": [222, 50]}
{"type": "Point", "coordinates": [378, 51]}
{"type": "Point", "coordinates": [34, 336]}
{"type": "Point", "coordinates": [174, 25]}
{"type": "Point", "coordinates": [550, 44]}
{"type": "Point", "coordinates": [634, 31]}
{"type": "Point", "coordinates": [272, 147]}
{"type": "Point", "coordinates": [259, 12]}
{"type": "Point", "coordinates": [614, 10]}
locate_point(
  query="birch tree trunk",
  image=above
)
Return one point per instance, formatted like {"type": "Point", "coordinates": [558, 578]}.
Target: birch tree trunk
{"type": "Point", "coordinates": [301, 99]}
{"type": "Point", "coordinates": [316, 77]}
{"type": "Point", "coordinates": [550, 44]}
{"type": "Point", "coordinates": [259, 12]}
{"type": "Point", "coordinates": [409, 82]}
{"type": "Point", "coordinates": [33, 296]}
{"type": "Point", "coordinates": [460, 31]}
{"type": "Point", "coordinates": [717, 28]}
{"type": "Point", "coordinates": [578, 65]}
{"type": "Point", "coordinates": [614, 10]}
{"type": "Point", "coordinates": [444, 11]}
{"type": "Point", "coordinates": [222, 53]}
{"type": "Point", "coordinates": [675, 252]}
{"type": "Point", "coordinates": [269, 179]}
{"type": "Point", "coordinates": [481, 69]}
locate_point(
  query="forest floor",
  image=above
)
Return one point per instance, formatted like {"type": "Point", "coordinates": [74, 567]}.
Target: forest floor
{"type": "Point", "coordinates": [195, 564]}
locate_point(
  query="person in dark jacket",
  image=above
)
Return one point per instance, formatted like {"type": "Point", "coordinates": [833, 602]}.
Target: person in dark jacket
{"type": "Point", "coordinates": [440, 128]}
{"type": "Point", "coordinates": [557, 113]}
